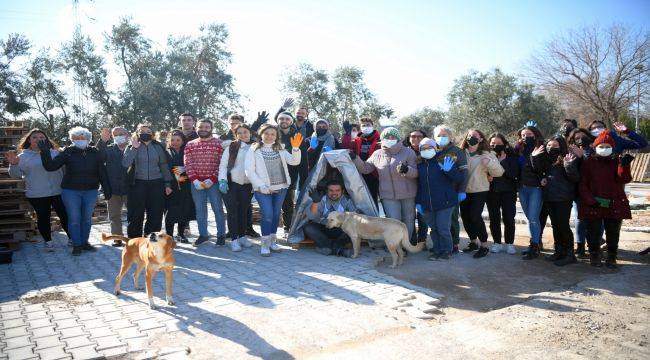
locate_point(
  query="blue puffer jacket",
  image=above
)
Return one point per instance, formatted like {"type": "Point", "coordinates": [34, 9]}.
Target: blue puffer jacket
{"type": "Point", "coordinates": [436, 188]}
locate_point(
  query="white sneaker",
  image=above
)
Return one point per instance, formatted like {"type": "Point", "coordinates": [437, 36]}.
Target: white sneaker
{"type": "Point", "coordinates": [496, 248]}
{"type": "Point", "coordinates": [48, 246]}
{"type": "Point", "coordinates": [511, 249]}
{"type": "Point", "coordinates": [265, 249]}
{"type": "Point", "coordinates": [244, 242]}
{"type": "Point", "coordinates": [274, 246]}
{"type": "Point", "coordinates": [234, 245]}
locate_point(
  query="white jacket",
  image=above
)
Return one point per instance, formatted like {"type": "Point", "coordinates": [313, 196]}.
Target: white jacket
{"type": "Point", "coordinates": [238, 171]}
{"type": "Point", "coordinates": [256, 168]}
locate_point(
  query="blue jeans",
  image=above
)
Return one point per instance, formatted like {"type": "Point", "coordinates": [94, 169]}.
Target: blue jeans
{"type": "Point", "coordinates": [440, 223]}
{"type": "Point", "coordinates": [270, 208]}
{"type": "Point", "coordinates": [201, 198]}
{"type": "Point", "coordinates": [402, 210]}
{"type": "Point", "coordinates": [531, 201]}
{"type": "Point", "coordinates": [79, 204]}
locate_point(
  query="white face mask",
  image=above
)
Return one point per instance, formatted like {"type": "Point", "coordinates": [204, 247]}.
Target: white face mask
{"type": "Point", "coordinates": [389, 143]}
{"type": "Point", "coordinates": [367, 130]}
{"type": "Point", "coordinates": [604, 151]}
{"type": "Point", "coordinates": [121, 139]}
{"type": "Point", "coordinates": [596, 132]}
{"type": "Point", "coordinates": [354, 134]}
{"type": "Point", "coordinates": [81, 144]}
{"type": "Point", "coordinates": [428, 153]}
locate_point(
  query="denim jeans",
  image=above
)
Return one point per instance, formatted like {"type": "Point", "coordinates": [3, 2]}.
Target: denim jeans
{"type": "Point", "coordinates": [440, 223]}
{"type": "Point", "coordinates": [455, 224]}
{"type": "Point", "coordinates": [270, 208]}
{"type": "Point", "coordinates": [531, 202]}
{"type": "Point", "coordinates": [402, 210]}
{"type": "Point", "coordinates": [201, 198]}
{"type": "Point", "coordinates": [79, 204]}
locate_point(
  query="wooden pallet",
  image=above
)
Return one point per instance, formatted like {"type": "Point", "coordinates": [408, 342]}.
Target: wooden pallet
{"type": "Point", "coordinates": [15, 237]}
{"type": "Point", "coordinates": [639, 167]}
{"type": "Point", "coordinates": [12, 186]}
{"type": "Point", "coordinates": [13, 131]}
{"type": "Point", "coordinates": [14, 206]}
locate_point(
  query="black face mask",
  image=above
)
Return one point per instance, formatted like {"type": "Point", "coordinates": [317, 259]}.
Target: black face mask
{"type": "Point", "coordinates": [567, 130]}
{"type": "Point", "coordinates": [499, 148]}
{"type": "Point", "coordinates": [145, 137]}
{"type": "Point", "coordinates": [553, 152]}
{"type": "Point", "coordinates": [203, 134]}
{"type": "Point", "coordinates": [472, 141]}
{"type": "Point", "coordinates": [320, 132]}
{"type": "Point", "coordinates": [530, 140]}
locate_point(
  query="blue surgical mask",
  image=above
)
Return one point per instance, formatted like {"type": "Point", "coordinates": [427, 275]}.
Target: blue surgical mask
{"type": "Point", "coordinates": [442, 140]}
{"type": "Point", "coordinates": [389, 143]}
{"type": "Point", "coordinates": [428, 153]}
{"type": "Point", "coordinates": [597, 131]}
{"type": "Point", "coordinates": [81, 144]}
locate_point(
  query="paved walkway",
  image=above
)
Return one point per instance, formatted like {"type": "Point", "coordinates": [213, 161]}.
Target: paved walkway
{"type": "Point", "coordinates": [229, 305]}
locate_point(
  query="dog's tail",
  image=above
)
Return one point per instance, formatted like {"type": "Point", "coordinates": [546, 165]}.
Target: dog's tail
{"type": "Point", "coordinates": [406, 242]}
{"type": "Point", "coordinates": [106, 237]}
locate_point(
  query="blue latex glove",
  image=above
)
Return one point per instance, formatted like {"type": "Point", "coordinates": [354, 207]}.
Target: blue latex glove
{"type": "Point", "coordinates": [532, 123]}
{"type": "Point", "coordinates": [326, 149]}
{"type": "Point", "coordinates": [313, 143]}
{"type": "Point", "coordinates": [223, 186]}
{"type": "Point", "coordinates": [447, 164]}
{"type": "Point", "coordinates": [461, 196]}
{"type": "Point", "coordinates": [418, 208]}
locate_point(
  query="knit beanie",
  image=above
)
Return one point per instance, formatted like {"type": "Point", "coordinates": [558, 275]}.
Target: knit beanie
{"type": "Point", "coordinates": [427, 141]}
{"type": "Point", "coordinates": [390, 131]}
{"type": "Point", "coordinates": [286, 113]}
{"type": "Point", "coordinates": [605, 138]}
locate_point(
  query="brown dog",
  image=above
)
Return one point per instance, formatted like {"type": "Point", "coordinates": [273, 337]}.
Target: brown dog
{"type": "Point", "coordinates": [151, 254]}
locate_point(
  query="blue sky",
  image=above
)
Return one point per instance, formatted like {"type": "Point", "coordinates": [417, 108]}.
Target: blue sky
{"type": "Point", "coordinates": [411, 51]}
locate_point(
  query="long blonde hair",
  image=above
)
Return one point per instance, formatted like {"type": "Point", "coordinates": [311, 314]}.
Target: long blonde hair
{"type": "Point", "coordinates": [277, 145]}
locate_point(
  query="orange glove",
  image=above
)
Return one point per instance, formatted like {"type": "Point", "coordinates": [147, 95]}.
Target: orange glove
{"type": "Point", "coordinates": [296, 141]}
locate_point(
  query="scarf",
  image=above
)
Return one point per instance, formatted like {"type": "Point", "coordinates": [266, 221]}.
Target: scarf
{"type": "Point", "coordinates": [329, 206]}
{"type": "Point", "coordinates": [327, 139]}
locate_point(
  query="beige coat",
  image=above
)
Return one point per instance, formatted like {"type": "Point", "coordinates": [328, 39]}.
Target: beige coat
{"type": "Point", "coordinates": [477, 173]}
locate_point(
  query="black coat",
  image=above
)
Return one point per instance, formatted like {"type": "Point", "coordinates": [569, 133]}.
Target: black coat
{"type": "Point", "coordinates": [561, 178]}
{"type": "Point", "coordinates": [508, 181]}
{"type": "Point", "coordinates": [84, 169]}
{"type": "Point", "coordinates": [116, 172]}
{"type": "Point", "coordinates": [179, 204]}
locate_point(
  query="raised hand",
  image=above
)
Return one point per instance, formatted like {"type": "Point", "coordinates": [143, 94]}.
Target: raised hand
{"type": "Point", "coordinates": [538, 150]}
{"type": "Point", "coordinates": [402, 168]}
{"type": "Point", "coordinates": [288, 103]}
{"type": "Point", "coordinates": [620, 127]}
{"type": "Point", "coordinates": [135, 141]}
{"type": "Point", "coordinates": [532, 123]}
{"type": "Point", "coordinates": [12, 157]}
{"type": "Point", "coordinates": [262, 117]}
{"type": "Point", "coordinates": [446, 164]}
{"type": "Point", "coordinates": [577, 151]}
{"type": "Point", "coordinates": [105, 134]}
{"type": "Point", "coordinates": [44, 145]}
{"type": "Point", "coordinates": [315, 195]}
{"type": "Point", "coordinates": [296, 141]}
{"type": "Point", "coordinates": [569, 157]}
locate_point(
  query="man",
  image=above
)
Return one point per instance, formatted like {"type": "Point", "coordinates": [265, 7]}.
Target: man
{"type": "Point", "coordinates": [287, 131]}
{"type": "Point", "coordinates": [364, 145]}
{"type": "Point", "coordinates": [202, 158]}
{"type": "Point", "coordinates": [322, 140]}
{"type": "Point", "coordinates": [234, 120]}
{"type": "Point", "coordinates": [187, 123]}
{"type": "Point", "coordinates": [112, 155]}
{"type": "Point", "coordinates": [328, 241]}
{"type": "Point", "coordinates": [444, 137]}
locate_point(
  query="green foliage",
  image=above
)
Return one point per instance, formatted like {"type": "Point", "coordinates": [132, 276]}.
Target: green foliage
{"type": "Point", "coordinates": [12, 100]}
{"type": "Point", "coordinates": [424, 119]}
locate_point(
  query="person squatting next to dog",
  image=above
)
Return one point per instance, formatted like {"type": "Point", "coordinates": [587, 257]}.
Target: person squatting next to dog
{"type": "Point", "coordinates": [437, 196]}
{"type": "Point", "coordinates": [42, 187]}
{"type": "Point", "coordinates": [236, 188]}
{"type": "Point", "coordinates": [412, 141]}
{"type": "Point", "coordinates": [202, 159]}
{"type": "Point", "coordinates": [502, 198]}
{"type": "Point", "coordinates": [117, 175]}
{"type": "Point", "coordinates": [603, 202]}
{"type": "Point", "coordinates": [266, 168]}
{"type": "Point", "coordinates": [84, 172]}
{"type": "Point", "coordinates": [179, 206]}
{"type": "Point", "coordinates": [149, 182]}
{"type": "Point", "coordinates": [397, 169]}
{"type": "Point", "coordinates": [328, 241]}
{"type": "Point", "coordinates": [483, 166]}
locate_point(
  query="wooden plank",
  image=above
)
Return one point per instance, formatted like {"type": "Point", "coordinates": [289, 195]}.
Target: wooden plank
{"type": "Point", "coordinates": [639, 167]}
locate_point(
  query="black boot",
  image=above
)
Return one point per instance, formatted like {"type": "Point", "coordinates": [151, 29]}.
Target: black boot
{"type": "Point", "coordinates": [554, 256]}
{"type": "Point", "coordinates": [471, 247]}
{"type": "Point", "coordinates": [581, 251]}
{"type": "Point", "coordinates": [595, 258]}
{"type": "Point", "coordinates": [611, 260]}
{"type": "Point", "coordinates": [532, 252]}
{"type": "Point", "coordinates": [569, 258]}
{"type": "Point", "coordinates": [76, 250]}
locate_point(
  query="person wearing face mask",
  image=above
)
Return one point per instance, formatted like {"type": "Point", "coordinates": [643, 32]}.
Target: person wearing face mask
{"type": "Point", "coordinates": [559, 192]}
{"type": "Point", "coordinates": [149, 180]}
{"type": "Point", "coordinates": [366, 143]}
{"type": "Point", "coordinates": [321, 140]}
{"type": "Point", "coordinates": [580, 141]}
{"type": "Point", "coordinates": [632, 140]}
{"type": "Point", "coordinates": [396, 166]}
{"type": "Point", "coordinates": [444, 137]}
{"type": "Point", "coordinates": [413, 141]}
{"type": "Point", "coordinates": [436, 196]}
{"type": "Point", "coordinates": [42, 187]}
{"type": "Point", "coordinates": [482, 166]}
{"type": "Point", "coordinates": [113, 155]}
{"type": "Point", "coordinates": [351, 132]}
{"type": "Point", "coordinates": [603, 201]}
{"type": "Point", "coordinates": [530, 186]}
{"type": "Point", "coordinates": [502, 198]}
{"type": "Point", "coordinates": [179, 206]}
{"type": "Point", "coordinates": [84, 172]}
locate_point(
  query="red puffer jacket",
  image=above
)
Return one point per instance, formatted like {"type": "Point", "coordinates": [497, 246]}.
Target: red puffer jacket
{"type": "Point", "coordinates": [604, 177]}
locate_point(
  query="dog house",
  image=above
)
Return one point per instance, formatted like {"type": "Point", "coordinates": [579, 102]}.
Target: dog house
{"type": "Point", "coordinates": [335, 164]}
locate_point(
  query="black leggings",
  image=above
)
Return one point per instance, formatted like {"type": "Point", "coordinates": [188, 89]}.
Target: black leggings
{"type": "Point", "coordinates": [182, 225]}
{"type": "Point", "coordinates": [145, 197]}
{"type": "Point", "coordinates": [471, 211]}
{"type": "Point", "coordinates": [43, 207]}
{"type": "Point", "coordinates": [238, 205]}
{"type": "Point", "coordinates": [502, 206]}
{"type": "Point", "coordinates": [560, 214]}
{"type": "Point", "coordinates": [612, 234]}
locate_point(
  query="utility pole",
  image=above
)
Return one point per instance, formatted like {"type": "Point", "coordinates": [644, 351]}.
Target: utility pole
{"type": "Point", "coordinates": [638, 97]}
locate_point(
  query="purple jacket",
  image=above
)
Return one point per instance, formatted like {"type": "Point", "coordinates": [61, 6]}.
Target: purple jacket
{"type": "Point", "coordinates": [392, 184]}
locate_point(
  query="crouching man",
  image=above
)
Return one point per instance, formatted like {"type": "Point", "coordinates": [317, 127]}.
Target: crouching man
{"type": "Point", "coordinates": [328, 241]}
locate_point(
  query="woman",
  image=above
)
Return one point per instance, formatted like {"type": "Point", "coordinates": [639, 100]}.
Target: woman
{"type": "Point", "coordinates": [580, 141]}
{"type": "Point", "coordinates": [603, 201]}
{"type": "Point", "coordinates": [266, 168]}
{"type": "Point", "coordinates": [149, 181]}
{"type": "Point", "coordinates": [236, 187]}
{"type": "Point", "coordinates": [502, 198]}
{"type": "Point", "coordinates": [482, 166]}
{"type": "Point", "coordinates": [437, 197]}
{"type": "Point", "coordinates": [530, 186]}
{"type": "Point", "coordinates": [352, 131]}
{"type": "Point", "coordinates": [561, 169]}
{"type": "Point", "coordinates": [396, 166]}
{"type": "Point", "coordinates": [42, 187]}
{"type": "Point", "coordinates": [632, 142]}
{"type": "Point", "coordinates": [84, 172]}
{"type": "Point", "coordinates": [413, 141]}
{"type": "Point", "coordinates": [179, 206]}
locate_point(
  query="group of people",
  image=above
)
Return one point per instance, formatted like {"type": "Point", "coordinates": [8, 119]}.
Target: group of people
{"type": "Point", "coordinates": [426, 180]}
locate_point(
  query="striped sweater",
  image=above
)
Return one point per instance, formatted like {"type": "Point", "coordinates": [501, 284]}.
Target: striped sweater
{"type": "Point", "coordinates": [202, 159]}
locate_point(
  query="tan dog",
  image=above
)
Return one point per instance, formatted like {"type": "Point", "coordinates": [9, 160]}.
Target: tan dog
{"type": "Point", "coordinates": [151, 254]}
{"type": "Point", "coordinates": [359, 226]}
